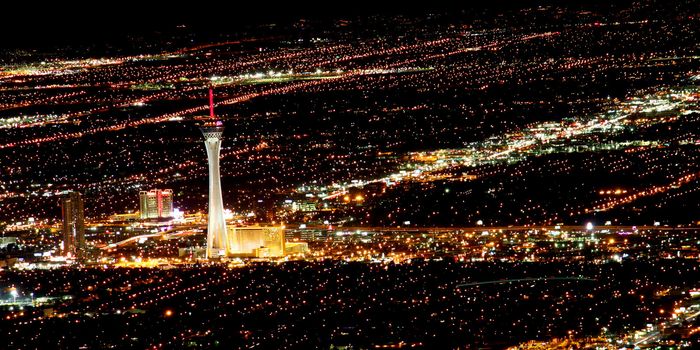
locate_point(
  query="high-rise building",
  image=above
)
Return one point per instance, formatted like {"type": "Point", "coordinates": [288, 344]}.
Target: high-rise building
{"type": "Point", "coordinates": [259, 241]}
{"type": "Point", "coordinates": [73, 224]}
{"type": "Point", "coordinates": [155, 204]}
{"type": "Point", "coordinates": [166, 204]}
{"type": "Point", "coordinates": [217, 244]}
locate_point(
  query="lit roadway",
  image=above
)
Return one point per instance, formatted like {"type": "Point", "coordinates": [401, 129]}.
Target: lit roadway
{"type": "Point", "coordinates": [532, 279]}
{"type": "Point", "coordinates": [654, 336]}
{"type": "Point", "coordinates": [168, 233]}
{"type": "Point", "coordinates": [494, 228]}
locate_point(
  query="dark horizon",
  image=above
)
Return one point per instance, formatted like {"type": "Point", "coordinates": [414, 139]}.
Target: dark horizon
{"type": "Point", "coordinates": [61, 25]}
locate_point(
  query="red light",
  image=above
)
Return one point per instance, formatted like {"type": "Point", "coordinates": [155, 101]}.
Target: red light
{"type": "Point", "coordinates": [211, 103]}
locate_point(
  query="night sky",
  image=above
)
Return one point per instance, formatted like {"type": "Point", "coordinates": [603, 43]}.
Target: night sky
{"type": "Point", "coordinates": [29, 25]}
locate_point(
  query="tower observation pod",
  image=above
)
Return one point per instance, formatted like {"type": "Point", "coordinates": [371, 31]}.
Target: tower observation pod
{"type": "Point", "coordinates": [216, 227]}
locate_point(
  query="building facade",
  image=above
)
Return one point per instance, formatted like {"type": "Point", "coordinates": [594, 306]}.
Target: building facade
{"type": "Point", "coordinates": [73, 227]}
{"type": "Point", "coordinates": [156, 203]}
{"type": "Point", "coordinates": [258, 241]}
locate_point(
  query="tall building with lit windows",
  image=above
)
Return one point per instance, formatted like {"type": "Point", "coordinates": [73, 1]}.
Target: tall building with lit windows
{"type": "Point", "coordinates": [156, 204]}
{"type": "Point", "coordinates": [212, 130]}
{"type": "Point", "coordinates": [258, 241]}
{"type": "Point", "coordinates": [73, 227]}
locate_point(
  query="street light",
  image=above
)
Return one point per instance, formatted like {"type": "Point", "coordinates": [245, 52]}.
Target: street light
{"type": "Point", "coordinates": [13, 293]}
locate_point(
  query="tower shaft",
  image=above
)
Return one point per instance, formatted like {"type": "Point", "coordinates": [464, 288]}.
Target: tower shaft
{"type": "Point", "coordinates": [216, 228]}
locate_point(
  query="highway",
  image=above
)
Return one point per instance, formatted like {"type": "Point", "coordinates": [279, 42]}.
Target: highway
{"type": "Point", "coordinates": [492, 228]}
{"type": "Point", "coordinates": [184, 230]}
{"type": "Point", "coordinates": [655, 336]}
{"type": "Point", "coordinates": [532, 279]}
{"type": "Point", "coordinates": [431, 230]}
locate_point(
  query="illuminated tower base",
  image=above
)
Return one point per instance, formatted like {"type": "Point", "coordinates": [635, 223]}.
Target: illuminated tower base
{"type": "Point", "coordinates": [216, 229]}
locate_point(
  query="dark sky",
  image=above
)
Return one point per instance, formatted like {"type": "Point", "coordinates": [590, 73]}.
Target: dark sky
{"type": "Point", "coordinates": [33, 24]}
{"type": "Point", "coordinates": [30, 23]}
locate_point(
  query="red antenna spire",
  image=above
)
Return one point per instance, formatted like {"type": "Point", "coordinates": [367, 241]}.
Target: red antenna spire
{"type": "Point", "coordinates": [211, 102]}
